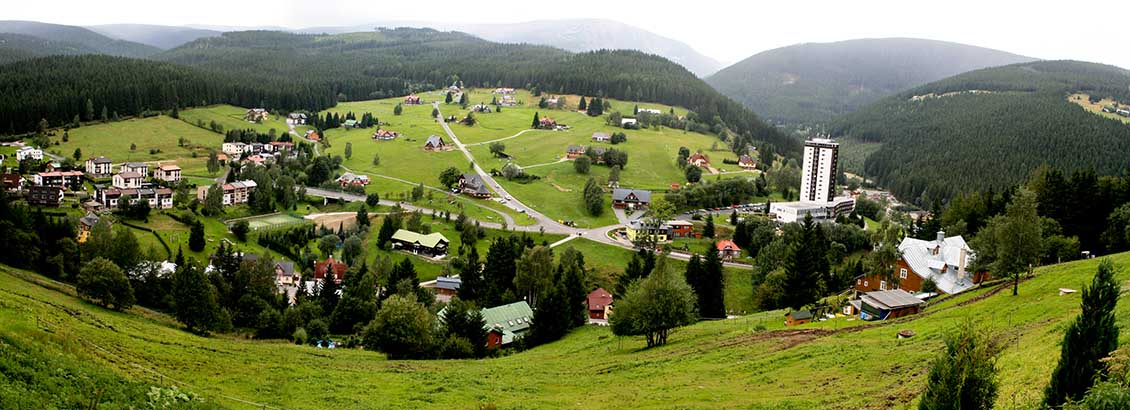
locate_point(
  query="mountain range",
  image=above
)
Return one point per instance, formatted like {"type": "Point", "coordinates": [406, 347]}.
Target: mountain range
{"type": "Point", "coordinates": [814, 82]}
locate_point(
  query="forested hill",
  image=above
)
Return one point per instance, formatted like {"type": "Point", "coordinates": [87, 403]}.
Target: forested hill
{"type": "Point", "coordinates": [16, 47]}
{"type": "Point", "coordinates": [811, 83]}
{"type": "Point", "coordinates": [990, 128]}
{"type": "Point", "coordinates": [88, 40]}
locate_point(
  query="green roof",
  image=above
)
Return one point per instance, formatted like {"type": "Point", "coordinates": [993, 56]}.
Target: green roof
{"type": "Point", "coordinates": [510, 319]}
{"type": "Point", "coordinates": [429, 240]}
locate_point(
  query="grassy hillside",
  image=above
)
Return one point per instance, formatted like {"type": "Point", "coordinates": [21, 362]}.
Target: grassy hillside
{"type": "Point", "coordinates": [721, 364]}
{"type": "Point", "coordinates": [78, 35]}
{"type": "Point", "coordinates": [942, 138]}
{"type": "Point", "coordinates": [813, 82]}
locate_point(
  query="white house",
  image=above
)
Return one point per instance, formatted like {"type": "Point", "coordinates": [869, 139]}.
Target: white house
{"type": "Point", "coordinates": [99, 166]}
{"type": "Point", "coordinates": [167, 173]}
{"type": "Point", "coordinates": [235, 149]}
{"type": "Point", "coordinates": [138, 167]}
{"type": "Point", "coordinates": [29, 153]}
{"type": "Point", "coordinates": [127, 180]}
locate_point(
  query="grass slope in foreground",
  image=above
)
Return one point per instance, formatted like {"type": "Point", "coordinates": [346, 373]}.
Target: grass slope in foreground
{"type": "Point", "coordinates": [720, 364]}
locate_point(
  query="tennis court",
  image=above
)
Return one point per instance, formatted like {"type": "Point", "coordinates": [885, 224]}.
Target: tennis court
{"type": "Point", "coordinates": [269, 221]}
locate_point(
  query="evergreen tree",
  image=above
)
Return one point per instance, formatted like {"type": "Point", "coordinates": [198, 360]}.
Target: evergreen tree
{"type": "Point", "coordinates": [463, 320]}
{"type": "Point", "coordinates": [389, 227]}
{"type": "Point", "coordinates": [195, 300]}
{"type": "Point", "coordinates": [552, 315]}
{"type": "Point", "coordinates": [711, 303]}
{"type": "Point", "coordinates": [471, 276]}
{"type": "Point", "coordinates": [358, 304]}
{"type": "Point", "coordinates": [593, 197]}
{"type": "Point", "coordinates": [1088, 339]}
{"type": "Point", "coordinates": [583, 106]}
{"type": "Point", "coordinates": [805, 265]}
{"type": "Point", "coordinates": [196, 237]}
{"type": "Point", "coordinates": [964, 376]}
{"type": "Point", "coordinates": [708, 230]}
{"type": "Point", "coordinates": [537, 121]}
{"type": "Point", "coordinates": [448, 99]}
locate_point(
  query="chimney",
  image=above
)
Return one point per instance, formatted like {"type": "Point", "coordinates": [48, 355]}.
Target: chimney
{"type": "Point", "coordinates": [941, 236]}
{"type": "Point", "coordinates": [961, 257]}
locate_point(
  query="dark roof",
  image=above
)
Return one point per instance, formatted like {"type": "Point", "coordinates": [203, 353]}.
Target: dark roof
{"type": "Point", "coordinates": [800, 314]}
{"type": "Point", "coordinates": [434, 141]}
{"type": "Point", "coordinates": [620, 194]}
{"type": "Point", "coordinates": [447, 282]}
{"type": "Point", "coordinates": [891, 299]}
{"type": "Point", "coordinates": [286, 267]}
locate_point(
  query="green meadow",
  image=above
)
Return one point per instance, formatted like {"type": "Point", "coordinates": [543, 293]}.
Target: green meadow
{"type": "Point", "coordinates": [113, 140]}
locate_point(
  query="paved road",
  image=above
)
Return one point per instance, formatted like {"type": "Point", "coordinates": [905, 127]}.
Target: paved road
{"type": "Point", "coordinates": [505, 217]}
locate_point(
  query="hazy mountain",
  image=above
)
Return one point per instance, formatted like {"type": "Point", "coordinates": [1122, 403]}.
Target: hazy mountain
{"type": "Point", "coordinates": [163, 37]}
{"type": "Point", "coordinates": [813, 82]}
{"type": "Point", "coordinates": [16, 47]}
{"type": "Point", "coordinates": [575, 35]}
{"type": "Point", "coordinates": [90, 41]}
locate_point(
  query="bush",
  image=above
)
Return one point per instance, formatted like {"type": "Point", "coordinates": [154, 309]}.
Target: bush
{"type": "Point", "coordinates": [403, 329]}
{"type": "Point", "coordinates": [104, 283]}
{"type": "Point", "coordinates": [299, 336]}
{"type": "Point", "coordinates": [240, 230]}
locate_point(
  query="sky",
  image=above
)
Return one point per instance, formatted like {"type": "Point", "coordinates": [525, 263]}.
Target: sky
{"type": "Point", "coordinates": [728, 31]}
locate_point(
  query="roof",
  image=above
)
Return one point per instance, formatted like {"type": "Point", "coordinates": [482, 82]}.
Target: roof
{"type": "Point", "coordinates": [129, 175]}
{"type": "Point", "coordinates": [89, 220]}
{"type": "Point", "coordinates": [286, 267]}
{"type": "Point", "coordinates": [727, 244]}
{"type": "Point", "coordinates": [100, 160]}
{"type": "Point", "coordinates": [575, 148]}
{"type": "Point", "coordinates": [434, 141]}
{"type": "Point", "coordinates": [509, 319]}
{"type": "Point", "coordinates": [320, 269]}
{"type": "Point", "coordinates": [430, 240]}
{"type": "Point", "coordinates": [448, 282]}
{"type": "Point", "coordinates": [620, 194]}
{"type": "Point", "coordinates": [475, 182]}
{"type": "Point", "coordinates": [800, 314]}
{"type": "Point", "coordinates": [745, 158]}
{"type": "Point", "coordinates": [890, 299]}
{"type": "Point", "coordinates": [136, 165]}
{"type": "Point", "coordinates": [944, 267]}
{"type": "Point", "coordinates": [169, 168]}
{"type": "Point", "coordinates": [600, 135]}
{"type": "Point", "coordinates": [598, 299]}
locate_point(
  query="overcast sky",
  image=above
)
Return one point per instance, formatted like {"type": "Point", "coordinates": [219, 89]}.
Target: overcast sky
{"type": "Point", "coordinates": [726, 30]}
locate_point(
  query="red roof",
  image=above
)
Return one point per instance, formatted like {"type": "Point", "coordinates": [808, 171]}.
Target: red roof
{"type": "Point", "coordinates": [599, 299]}
{"type": "Point", "coordinates": [339, 268]}
{"type": "Point", "coordinates": [727, 244]}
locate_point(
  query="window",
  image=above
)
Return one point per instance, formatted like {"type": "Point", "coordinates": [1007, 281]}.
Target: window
{"type": "Point", "coordinates": [883, 285]}
{"type": "Point", "coordinates": [902, 273]}
{"type": "Point", "coordinates": [510, 322]}
{"type": "Point", "coordinates": [866, 284]}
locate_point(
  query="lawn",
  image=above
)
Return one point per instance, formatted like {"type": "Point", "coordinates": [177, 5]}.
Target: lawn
{"type": "Point", "coordinates": [748, 362]}
{"type": "Point", "coordinates": [231, 118]}
{"type": "Point", "coordinates": [162, 133]}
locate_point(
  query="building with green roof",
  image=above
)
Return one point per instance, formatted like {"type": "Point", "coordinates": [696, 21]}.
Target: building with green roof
{"type": "Point", "coordinates": [433, 244]}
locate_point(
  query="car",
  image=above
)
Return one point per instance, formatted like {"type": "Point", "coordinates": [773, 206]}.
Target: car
{"type": "Point", "coordinates": [521, 211]}
{"type": "Point", "coordinates": [508, 198]}
{"type": "Point", "coordinates": [580, 233]}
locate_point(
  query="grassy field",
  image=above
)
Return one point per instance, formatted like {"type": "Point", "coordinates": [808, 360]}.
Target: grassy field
{"type": "Point", "coordinates": [1084, 100]}
{"type": "Point", "coordinates": [231, 117]}
{"type": "Point", "coordinates": [113, 140]}
{"type": "Point", "coordinates": [748, 363]}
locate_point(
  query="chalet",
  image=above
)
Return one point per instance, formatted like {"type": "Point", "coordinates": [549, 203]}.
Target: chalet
{"type": "Point", "coordinates": [552, 102]}
{"type": "Point", "coordinates": [681, 229]}
{"type": "Point", "coordinates": [746, 162]}
{"type": "Point", "coordinates": [330, 267]}
{"type": "Point", "coordinates": [504, 91]}
{"type": "Point", "coordinates": [628, 122]}
{"type": "Point", "coordinates": [798, 317]}
{"type": "Point", "coordinates": [574, 151]}
{"type": "Point", "coordinates": [85, 225]}
{"type": "Point", "coordinates": [601, 137]}
{"type": "Point", "coordinates": [40, 195]}
{"type": "Point", "coordinates": [942, 260]}
{"type": "Point", "coordinates": [127, 180]}
{"type": "Point", "coordinates": [728, 250]}
{"type": "Point", "coordinates": [350, 124]}
{"type": "Point", "coordinates": [698, 160]}
{"type": "Point", "coordinates": [472, 184]}
{"type": "Point", "coordinates": [385, 135]}
{"type": "Point", "coordinates": [640, 229]}
{"type": "Point", "coordinates": [285, 274]}
{"type": "Point", "coordinates": [433, 244]}
{"type": "Point", "coordinates": [313, 136]}
{"type": "Point", "coordinates": [235, 193]}
{"type": "Point", "coordinates": [351, 179]}
{"type": "Point", "coordinates": [99, 167]}
{"type": "Point", "coordinates": [630, 198]}
{"type": "Point", "coordinates": [508, 101]}
{"type": "Point", "coordinates": [29, 153]}
{"type": "Point", "coordinates": [597, 154]}
{"type": "Point", "coordinates": [256, 115]}
{"type": "Point", "coordinates": [296, 118]}
{"type": "Point", "coordinates": [12, 182]}
{"type": "Point", "coordinates": [507, 322]}
{"type": "Point", "coordinates": [412, 100]}
{"type": "Point", "coordinates": [599, 304]}
{"type": "Point", "coordinates": [547, 123]}
{"type": "Point", "coordinates": [445, 287]}
{"type": "Point", "coordinates": [434, 143]}
{"type": "Point", "coordinates": [138, 167]}
{"type": "Point", "coordinates": [649, 111]}
{"type": "Point", "coordinates": [483, 108]}
{"type": "Point", "coordinates": [888, 304]}
{"type": "Point", "coordinates": [61, 179]}
{"type": "Point", "coordinates": [235, 149]}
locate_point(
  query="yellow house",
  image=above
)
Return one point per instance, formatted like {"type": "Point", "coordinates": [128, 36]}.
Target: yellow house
{"type": "Point", "coordinates": [639, 229]}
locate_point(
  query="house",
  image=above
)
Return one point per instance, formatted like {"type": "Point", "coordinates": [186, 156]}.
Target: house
{"type": "Point", "coordinates": [235, 149]}
{"type": "Point", "coordinates": [433, 244]}
{"type": "Point", "coordinates": [698, 160]}
{"type": "Point", "coordinates": [285, 275]}
{"type": "Point", "coordinates": [313, 136]}
{"type": "Point", "coordinates": [508, 101]}
{"type": "Point", "coordinates": [483, 108]}
{"type": "Point", "coordinates": [40, 195]}
{"type": "Point", "coordinates": [942, 260]}
{"type": "Point", "coordinates": [681, 228]}
{"type": "Point", "coordinates": [728, 250]}
{"type": "Point", "coordinates": [547, 123]}
{"type": "Point", "coordinates": [597, 154]}
{"type": "Point", "coordinates": [552, 102]}
{"type": "Point", "coordinates": [649, 111]}
{"type": "Point", "coordinates": [258, 147]}
{"type": "Point", "coordinates": [445, 287]}
{"type": "Point", "coordinates": [159, 198]}
{"type": "Point", "coordinates": [574, 151]}
{"type": "Point", "coordinates": [349, 178]}
{"type": "Point", "coordinates": [29, 153]}
{"type": "Point", "coordinates": [628, 122]}
{"type": "Point", "coordinates": [888, 304]}
{"type": "Point", "coordinates": [640, 229]}
{"type": "Point", "coordinates": [599, 304]}
{"type": "Point", "coordinates": [601, 137]}
{"type": "Point", "coordinates": [99, 167]}
{"type": "Point", "coordinates": [630, 198]}
{"type": "Point", "coordinates": [12, 182]}
{"type": "Point", "coordinates": [798, 317]}
{"type": "Point", "coordinates": [507, 322]}
{"type": "Point", "coordinates": [256, 115]}
{"type": "Point", "coordinates": [85, 225]}
{"type": "Point", "coordinates": [296, 118]}
{"type": "Point", "coordinates": [167, 173]}
{"type": "Point", "coordinates": [412, 100]}
{"type": "Point", "coordinates": [350, 124]}
{"type": "Point", "coordinates": [138, 167]}
{"type": "Point", "coordinates": [504, 91]}
{"type": "Point", "coordinates": [257, 159]}
{"type": "Point", "coordinates": [473, 185]}
{"type": "Point", "coordinates": [746, 162]}
{"type": "Point", "coordinates": [279, 146]}
{"type": "Point", "coordinates": [235, 193]}
{"type": "Point", "coordinates": [434, 143]}
{"type": "Point", "coordinates": [127, 180]}
{"type": "Point", "coordinates": [62, 179]}
{"type": "Point", "coordinates": [385, 135]}
{"type": "Point", "coordinates": [331, 267]}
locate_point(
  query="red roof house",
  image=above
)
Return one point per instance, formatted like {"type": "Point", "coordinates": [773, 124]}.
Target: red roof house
{"type": "Point", "coordinates": [728, 250]}
{"type": "Point", "coordinates": [330, 265]}
{"type": "Point", "coordinates": [599, 303]}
